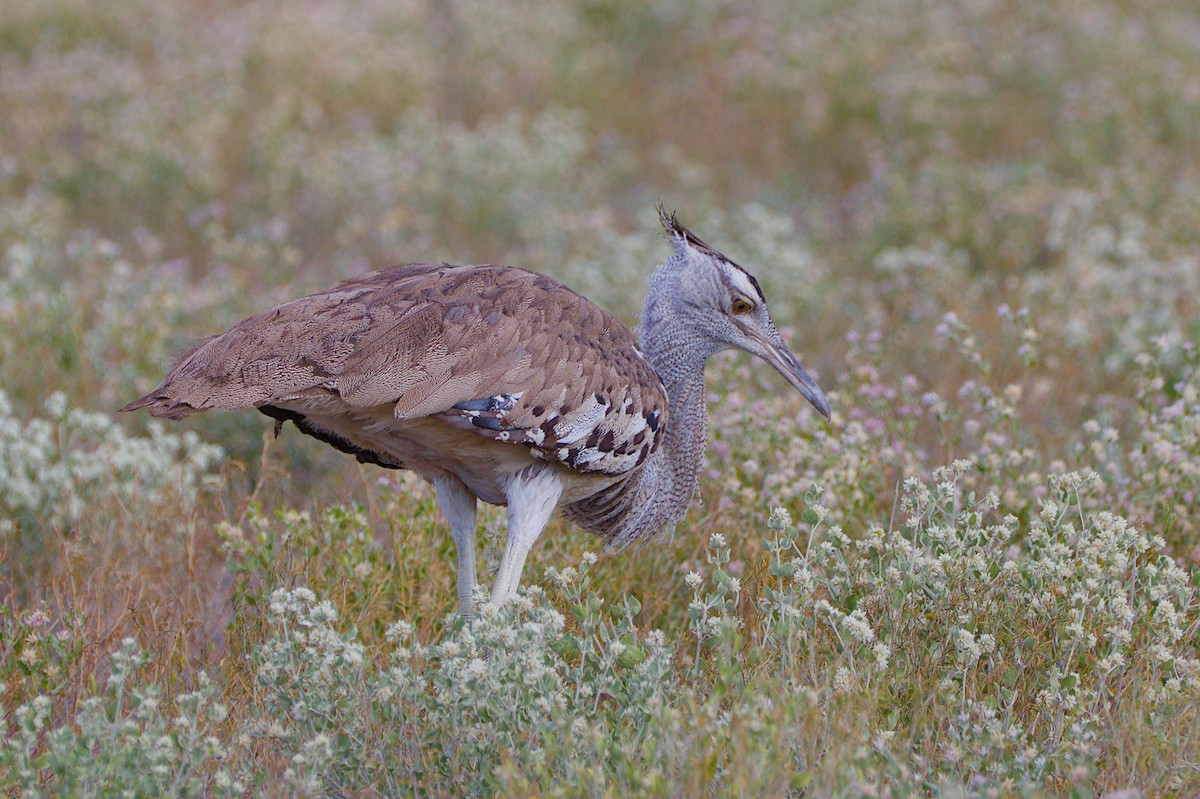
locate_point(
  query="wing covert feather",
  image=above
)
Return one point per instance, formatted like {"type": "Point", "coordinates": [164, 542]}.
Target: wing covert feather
{"type": "Point", "coordinates": [507, 353]}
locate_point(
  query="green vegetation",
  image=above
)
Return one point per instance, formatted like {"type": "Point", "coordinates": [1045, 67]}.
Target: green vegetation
{"type": "Point", "coordinates": [978, 220]}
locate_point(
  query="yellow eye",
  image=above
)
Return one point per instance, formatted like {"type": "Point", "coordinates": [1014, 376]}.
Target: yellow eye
{"type": "Point", "coordinates": [740, 306]}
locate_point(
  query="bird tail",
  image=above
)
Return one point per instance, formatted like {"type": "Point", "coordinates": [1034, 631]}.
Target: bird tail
{"type": "Point", "coordinates": [162, 405]}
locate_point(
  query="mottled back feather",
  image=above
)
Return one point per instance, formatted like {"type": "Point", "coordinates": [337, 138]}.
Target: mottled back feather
{"type": "Point", "coordinates": [510, 354]}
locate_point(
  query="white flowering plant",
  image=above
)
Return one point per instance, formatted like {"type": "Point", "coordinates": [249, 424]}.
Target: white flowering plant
{"type": "Point", "coordinates": [54, 466]}
{"type": "Point", "coordinates": [122, 738]}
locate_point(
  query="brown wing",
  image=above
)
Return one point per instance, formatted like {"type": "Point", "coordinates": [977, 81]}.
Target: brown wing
{"type": "Point", "coordinates": [511, 354]}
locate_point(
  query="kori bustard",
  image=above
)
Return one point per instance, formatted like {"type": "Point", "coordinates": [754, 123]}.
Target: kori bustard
{"type": "Point", "coordinates": [502, 385]}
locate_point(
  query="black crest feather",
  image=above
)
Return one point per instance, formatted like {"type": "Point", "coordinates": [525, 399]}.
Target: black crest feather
{"type": "Point", "coordinates": [673, 226]}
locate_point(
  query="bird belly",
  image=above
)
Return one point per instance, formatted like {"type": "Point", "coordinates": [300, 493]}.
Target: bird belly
{"type": "Point", "coordinates": [431, 447]}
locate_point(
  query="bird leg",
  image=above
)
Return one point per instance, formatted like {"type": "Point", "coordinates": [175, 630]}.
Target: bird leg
{"type": "Point", "coordinates": [458, 504]}
{"type": "Point", "coordinates": [531, 500]}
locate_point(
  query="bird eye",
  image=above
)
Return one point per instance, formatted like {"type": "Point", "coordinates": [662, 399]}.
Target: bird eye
{"type": "Point", "coordinates": [740, 306]}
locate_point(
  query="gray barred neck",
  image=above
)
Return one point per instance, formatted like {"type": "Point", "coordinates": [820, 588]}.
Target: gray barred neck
{"type": "Point", "coordinates": [682, 453]}
{"type": "Point", "coordinates": [679, 357]}
{"type": "Point", "coordinates": [677, 352]}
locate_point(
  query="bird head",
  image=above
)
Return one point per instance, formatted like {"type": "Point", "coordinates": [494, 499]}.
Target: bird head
{"type": "Point", "coordinates": [721, 303]}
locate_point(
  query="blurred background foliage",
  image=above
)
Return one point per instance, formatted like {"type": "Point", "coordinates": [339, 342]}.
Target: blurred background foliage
{"type": "Point", "coordinates": [166, 168]}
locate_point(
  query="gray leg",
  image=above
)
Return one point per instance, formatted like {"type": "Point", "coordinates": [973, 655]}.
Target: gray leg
{"type": "Point", "coordinates": [531, 500]}
{"type": "Point", "coordinates": [458, 504]}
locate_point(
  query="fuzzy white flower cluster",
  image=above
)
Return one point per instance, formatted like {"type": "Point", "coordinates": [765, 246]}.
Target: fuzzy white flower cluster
{"type": "Point", "coordinates": [52, 467]}
{"type": "Point", "coordinates": [325, 672]}
{"type": "Point", "coordinates": [1049, 617]}
{"type": "Point", "coordinates": [507, 681]}
{"type": "Point", "coordinates": [123, 736]}
{"type": "Point", "coordinates": [972, 647]}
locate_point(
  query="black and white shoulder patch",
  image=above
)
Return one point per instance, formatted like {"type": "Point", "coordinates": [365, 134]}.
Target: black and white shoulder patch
{"type": "Point", "coordinates": [600, 435]}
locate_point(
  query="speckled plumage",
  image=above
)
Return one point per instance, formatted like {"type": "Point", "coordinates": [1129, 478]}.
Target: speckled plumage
{"type": "Point", "coordinates": [501, 352]}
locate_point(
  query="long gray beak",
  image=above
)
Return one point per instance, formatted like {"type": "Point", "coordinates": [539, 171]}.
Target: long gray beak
{"type": "Point", "coordinates": [779, 356]}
